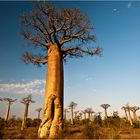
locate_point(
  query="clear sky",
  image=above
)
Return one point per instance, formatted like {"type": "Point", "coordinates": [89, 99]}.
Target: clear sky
{"type": "Point", "coordinates": [113, 78]}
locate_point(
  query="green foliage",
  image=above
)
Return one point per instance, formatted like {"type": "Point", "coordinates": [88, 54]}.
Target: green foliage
{"type": "Point", "coordinates": [33, 123]}
{"type": "Point", "coordinates": [136, 124]}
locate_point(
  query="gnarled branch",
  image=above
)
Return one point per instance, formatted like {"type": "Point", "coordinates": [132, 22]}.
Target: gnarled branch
{"type": "Point", "coordinates": [35, 59]}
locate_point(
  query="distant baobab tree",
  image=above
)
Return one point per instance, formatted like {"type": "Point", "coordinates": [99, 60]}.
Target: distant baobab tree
{"type": "Point", "coordinates": [89, 111]}
{"type": "Point", "coordinates": [26, 101]}
{"type": "Point", "coordinates": [9, 101]}
{"type": "Point", "coordinates": [115, 114]}
{"type": "Point", "coordinates": [125, 110]}
{"type": "Point", "coordinates": [130, 118]}
{"type": "Point", "coordinates": [61, 34]}
{"type": "Point", "coordinates": [65, 113]}
{"type": "Point", "coordinates": [84, 112]}
{"type": "Point", "coordinates": [105, 107]}
{"type": "Point", "coordinates": [72, 105]}
{"type": "Point", "coordinates": [134, 109]}
{"type": "Point", "coordinates": [75, 114]}
{"type": "Point", "coordinates": [38, 111]}
{"type": "Point", "coordinates": [80, 115]}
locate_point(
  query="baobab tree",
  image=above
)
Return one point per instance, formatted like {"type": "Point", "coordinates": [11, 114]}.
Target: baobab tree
{"type": "Point", "coordinates": [72, 105]}
{"type": "Point", "coordinates": [75, 114]}
{"type": "Point", "coordinates": [89, 111]}
{"type": "Point", "coordinates": [61, 34]}
{"type": "Point", "coordinates": [134, 109]}
{"type": "Point", "coordinates": [84, 112]}
{"type": "Point", "coordinates": [105, 107]}
{"type": "Point", "coordinates": [38, 111]}
{"type": "Point", "coordinates": [26, 101]}
{"type": "Point", "coordinates": [9, 101]}
{"type": "Point", "coordinates": [125, 110]}
{"type": "Point", "coordinates": [80, 115]}
{"type": "Point", "coordinates": [129, 114]}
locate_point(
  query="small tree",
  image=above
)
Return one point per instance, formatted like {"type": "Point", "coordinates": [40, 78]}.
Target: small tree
{"type": "Point", "coordinates": [72, 105]}
{"type": "Point", "coordinates": [125, 110]}
{"type": "Point", "coordinates": [9, 101]}
{"type": "Point", "coordinates": [26, 101]}
{"type": "Point", "coordinates": [38, 112]}
{"type": "Point", "coordinates": [134, 109]}
{"type": "Point", "coordinates": [105, 107]}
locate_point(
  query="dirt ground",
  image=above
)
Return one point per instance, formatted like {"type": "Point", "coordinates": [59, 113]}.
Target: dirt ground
{"type": "Point", "coordinates": [72, 133]}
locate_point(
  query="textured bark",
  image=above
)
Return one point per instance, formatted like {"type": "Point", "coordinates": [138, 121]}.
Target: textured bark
{"type": "Point", "coordinates": [51, 124]}
{"type": "Point", "coordinates": [7, 112]}
{"type": "Point", "coordinates": [25, 117]}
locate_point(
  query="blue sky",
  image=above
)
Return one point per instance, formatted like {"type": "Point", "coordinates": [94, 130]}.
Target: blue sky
{"type": "Point", "coordinates": [113, 78]}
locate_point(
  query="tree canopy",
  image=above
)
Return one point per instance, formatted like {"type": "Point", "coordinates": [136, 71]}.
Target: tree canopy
{"type": "Point", "coordinates": [68, 28]}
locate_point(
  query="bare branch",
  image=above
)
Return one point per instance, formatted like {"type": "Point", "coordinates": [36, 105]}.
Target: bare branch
{"type": "Point", "coordinates": [35, 59]}
{"type": "Point", "coordinates": [79, 52]}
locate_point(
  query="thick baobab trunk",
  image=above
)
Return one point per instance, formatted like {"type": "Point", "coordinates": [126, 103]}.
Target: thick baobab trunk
{"type": "Point", "coordinates": [25, 117]}
{"type": "Point", "coordinates": [106, 114]}
{"type": "Point", "coordinates": [130, 119]}
{"type": "Point", "coordinates": [126, 115]}
{"type": "Point", "coordinates": [7, 112]}
{"type": "Point", "coordinates": [51, 124]}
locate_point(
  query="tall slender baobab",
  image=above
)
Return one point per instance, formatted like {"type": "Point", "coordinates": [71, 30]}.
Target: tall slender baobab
{"type": "Point", "coordinates": [129, 114]}
{"type": "Point", "coordinates": [60, 34]}
{"type": "Point", "coordinates": [134, 109]}
{"type": "Point", "coordinates": [38, 111]}
{"type": "Point", "coordinates": [26, 101]}
{"type": "Point", "coordinates": [105, 107]}
{"type": "Point", "coordinates": [9, 101]}
{"type": "Point", "coordinates": [125, 110]}
{"type": "Point", "coordinates": [72, 105]}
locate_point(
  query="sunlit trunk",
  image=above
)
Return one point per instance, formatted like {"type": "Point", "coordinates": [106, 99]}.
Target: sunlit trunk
{"type": "Point", "coordinates": [51, 124]}
{"type": "Point", "coordinates": [135, 116]}
{"type": "Point", "coordinates": [130, 119]}
{"type": "Point", "coordinates": [25, 117]}
{"type": "Point", "coordinates": [7, 112]}
{"type": "Point", "coordinates": [105, 113]}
